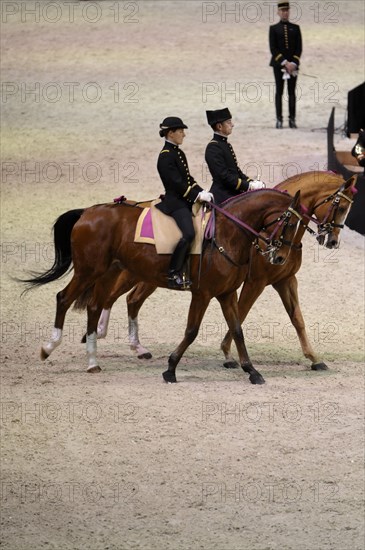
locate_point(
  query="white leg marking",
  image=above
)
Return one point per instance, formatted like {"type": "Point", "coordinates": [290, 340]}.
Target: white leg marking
{"type": "Point", "coordinates": [134, 338]}
{"type": "Point", "coordinates": [91, 350]}
{"type": "Point", "coordinates": [133, 332]}
{"type": "Point", "coordinates": [103, 323]}
{"type": "Point", "coordinates": [55, 341]}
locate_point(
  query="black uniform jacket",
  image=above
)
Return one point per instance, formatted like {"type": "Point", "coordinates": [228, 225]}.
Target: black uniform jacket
{"type": "Point", "coordinates": [228, 178]}
{"type": "Point", "coordinates": [181, 188]}
{"type": "Point", "coordinates": [285, 43]}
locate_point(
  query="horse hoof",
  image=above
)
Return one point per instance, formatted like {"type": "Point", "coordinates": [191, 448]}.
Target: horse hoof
{"type": "Point", "coordinates": [231, 365]}
{"type": "Point", "coordinates": [169, 377]}
{"type": "Point", "coordinates": [146, 355]}
{"type": "Point", "coordinates": [256, 379]}
{"type": "Point", "coordinates": [94, 369]}
{"type": "Point", "coordinates": [83, 339]}
{"type": "Point", "coordinates": [44, 354]}
{"type": "Point", "coordinates": [319, 366]}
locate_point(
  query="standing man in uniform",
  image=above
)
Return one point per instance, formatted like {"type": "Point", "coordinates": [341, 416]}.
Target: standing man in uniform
{"type": "Point", "coordinates": [181, 192]}
{"type": "Point", "coordinates": [228, 178]}
{"type": "Point", "coordinates": [286, 48]}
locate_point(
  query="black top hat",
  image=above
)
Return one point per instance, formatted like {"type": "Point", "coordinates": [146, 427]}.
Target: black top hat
{"type": "Point", "coordinates": [171, 123]}
{"type": "Point", "coordinates": [219, 115]}
{"type": "Point", "coordinates": [283, 5]}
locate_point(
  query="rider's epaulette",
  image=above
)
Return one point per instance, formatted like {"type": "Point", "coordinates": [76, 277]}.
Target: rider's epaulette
{"type": "Point", "coordinates": [164, 151]}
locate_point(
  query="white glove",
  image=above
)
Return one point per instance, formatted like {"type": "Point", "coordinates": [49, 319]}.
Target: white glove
{"type": "Point", "coordinates": [256, 184]}
{"type": "Point", "coordinates": [205, 196]}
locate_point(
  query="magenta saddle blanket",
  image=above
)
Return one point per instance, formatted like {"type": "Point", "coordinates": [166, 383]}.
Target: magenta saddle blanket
{"type": "Point", "coordinates": [155, 227]}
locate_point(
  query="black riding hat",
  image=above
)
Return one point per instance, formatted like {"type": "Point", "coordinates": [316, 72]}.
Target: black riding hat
{"type": "Point", "coordinates": [220, 115]}
{"type": "Point", "coordinates": [171, 123]}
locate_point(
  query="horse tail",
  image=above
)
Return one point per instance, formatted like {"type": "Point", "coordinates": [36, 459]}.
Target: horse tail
{"type": "Point", "coordinates": [83, 300]}
{"type": "Point", "coordinates": [62, 229]}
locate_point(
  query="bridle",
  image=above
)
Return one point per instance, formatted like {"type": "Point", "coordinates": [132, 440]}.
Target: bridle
{"type": "Point", "coordinates": [272, 244]}
{"type": "Point", "coordinates": [325, 227]}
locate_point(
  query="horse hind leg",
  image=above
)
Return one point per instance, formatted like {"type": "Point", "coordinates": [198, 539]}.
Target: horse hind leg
{"type": "Point", "coordinates": [106, 291]}
{"type": "Point", "coordinates": [135, 300]}
{"type": "Point", "coordinates": [103, 323]}
{"type": "Point", "coordinates": [93, 313]}
{"type": "Point", "coordinates": [48, 347]}
{"type": "Point", "coordinates": [115, 283]}
{"type": "Point", "coordinates": [64, 298]}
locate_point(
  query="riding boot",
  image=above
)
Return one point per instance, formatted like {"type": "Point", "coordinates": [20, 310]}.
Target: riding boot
{"type": "Point", "coordinates": [292, 112]}
{"type": "Point", "coordinates": [176, 279]}
{"type": "Point", "coordinates": [292, 123]}
{"type": "Point", "coordinates": [278, 109]}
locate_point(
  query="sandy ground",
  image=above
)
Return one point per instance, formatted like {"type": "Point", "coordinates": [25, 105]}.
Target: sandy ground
{"type": "Point", "coordinates": [120, 460]}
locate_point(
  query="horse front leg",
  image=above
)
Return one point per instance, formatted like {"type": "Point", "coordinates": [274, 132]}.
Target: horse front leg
{"type": "Point", "coordinates": [135, 300]}
{"type": "Point", "coordinates": [198, 305]}
{"type": "Point", "coordinates": [229, 307]}
{"type": "Point", "coordinates": [248, 296]}
{"type": "Point", "coordinates": [288, 292]}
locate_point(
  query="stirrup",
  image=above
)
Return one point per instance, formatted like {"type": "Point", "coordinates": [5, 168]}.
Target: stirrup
{"type": "Point", "coordinates": [178, 281]}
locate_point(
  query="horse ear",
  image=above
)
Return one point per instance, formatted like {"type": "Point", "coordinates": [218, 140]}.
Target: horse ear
{"type": "Point", "coordinates": [296, 198]}
{"type": "Point", "coordinates": [350, 182]}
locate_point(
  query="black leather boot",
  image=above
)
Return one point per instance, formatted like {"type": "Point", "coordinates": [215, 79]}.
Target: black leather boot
{"type": "Point", "coordinates": [279, 123]}
{"type": "Point", "coordinates": [292, 123]}
{"type": "Point", "coordinates": [175, 278]}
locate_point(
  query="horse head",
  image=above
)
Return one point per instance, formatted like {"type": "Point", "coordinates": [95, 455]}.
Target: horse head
{"type": "Point", "coordinates": [332, 211]}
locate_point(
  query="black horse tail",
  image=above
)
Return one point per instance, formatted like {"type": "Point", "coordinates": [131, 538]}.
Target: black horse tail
{"type": "Point", "coordinates": [62, 245]}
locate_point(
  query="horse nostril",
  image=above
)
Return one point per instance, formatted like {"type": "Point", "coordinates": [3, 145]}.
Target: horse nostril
{"type": "Point", "coordinates": [279, 260]}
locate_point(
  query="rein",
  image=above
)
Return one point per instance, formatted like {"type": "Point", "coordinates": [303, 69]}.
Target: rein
{"type": "Point", "coordinates": [271, 244]}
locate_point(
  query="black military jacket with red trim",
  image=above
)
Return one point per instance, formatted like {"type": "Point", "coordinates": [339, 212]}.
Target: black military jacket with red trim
{"type": "Point", "coordinates": [228, 178]}
{"type": "Point", "coordinates": [180, 186]}
{"type": "Point", "coordinates": [285, 43]}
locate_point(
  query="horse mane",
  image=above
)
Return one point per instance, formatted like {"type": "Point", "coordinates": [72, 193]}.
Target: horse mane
{"type": "Point", "coordinates": [244, 196]}
{"type": "Point", "coordinates": [329, 174]}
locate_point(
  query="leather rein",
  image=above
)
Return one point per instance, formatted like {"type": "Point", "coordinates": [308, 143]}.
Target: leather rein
{"type": "Point", "coordinates": [272, 244]}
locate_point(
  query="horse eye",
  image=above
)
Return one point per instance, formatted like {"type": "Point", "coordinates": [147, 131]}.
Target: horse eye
{"type": "Point", "coordinates": [342, 210]}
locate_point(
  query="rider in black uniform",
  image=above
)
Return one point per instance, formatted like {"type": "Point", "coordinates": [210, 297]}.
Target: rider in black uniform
{"type": "Point", "coordinates": [181, 192]}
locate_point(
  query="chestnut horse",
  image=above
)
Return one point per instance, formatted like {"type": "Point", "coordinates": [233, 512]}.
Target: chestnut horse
{"type": "Point", "coordinates": [100, 245]}
{"type": "Point", "coordinates": [327, 197]}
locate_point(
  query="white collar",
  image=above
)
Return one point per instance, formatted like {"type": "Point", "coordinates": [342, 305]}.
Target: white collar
{"type": "Point", "coordinates": [172, 143]}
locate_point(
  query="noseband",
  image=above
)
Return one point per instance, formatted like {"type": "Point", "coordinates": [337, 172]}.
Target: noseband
{"type": "Point", "coordinates": [272, 244]}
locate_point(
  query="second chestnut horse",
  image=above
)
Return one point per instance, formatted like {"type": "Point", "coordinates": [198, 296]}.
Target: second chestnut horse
{"type": "Point", "coordinates": [328, 198]}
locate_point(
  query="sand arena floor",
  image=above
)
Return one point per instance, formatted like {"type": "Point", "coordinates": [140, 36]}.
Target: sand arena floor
{"type": "Point", "coordinates": [120, 460]}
